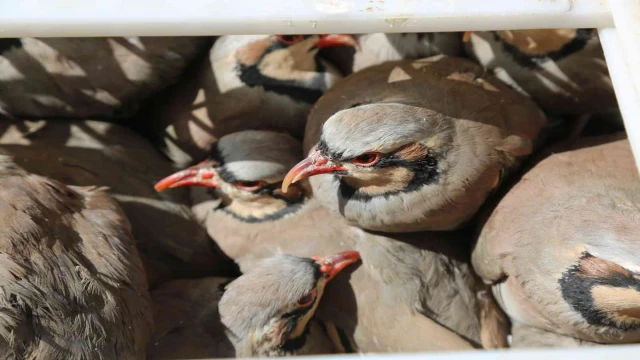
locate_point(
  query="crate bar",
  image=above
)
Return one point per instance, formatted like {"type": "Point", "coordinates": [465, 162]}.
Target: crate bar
{"type": "Point", "coordinates": [617, 352]}
{"type": "Point", "coordinates": [626, 91]}
{"type": "Point", "coordinates": [621, 47]}
{"type": "Point", "coordinates": [68, 18]}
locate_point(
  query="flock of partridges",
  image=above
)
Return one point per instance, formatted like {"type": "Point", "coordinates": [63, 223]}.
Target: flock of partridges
{"type": "Point", "coordinates": [272, 195]}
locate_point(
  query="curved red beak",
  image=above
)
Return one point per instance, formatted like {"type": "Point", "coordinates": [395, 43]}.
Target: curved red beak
{"type": "Point", "coordinates": [202, 174]}
{"type": "Point", "coordinates": [333, 40]}
{"type": "Point", "coordinates": [314, 164]}
{"type": "Point", "coordinates": [330, 266]}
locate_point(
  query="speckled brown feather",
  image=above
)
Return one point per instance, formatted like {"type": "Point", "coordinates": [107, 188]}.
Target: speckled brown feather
{"type": "Point", "coordinates": [89, 77]}
{"type": "Point", "coordinates": [72, 284]}
{"type": "Point", "coordinates": [95, 153]}
{"type": "Point", "coordinates": [187, 322]}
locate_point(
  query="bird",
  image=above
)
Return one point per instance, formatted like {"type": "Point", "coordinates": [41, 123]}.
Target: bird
{"type": "Point", "coordinates": [560, 248]}
{"type": "Point", "coordinates": [88, 152]}
{"type": "Point", "coordinates": [563, 70]}
{"type": "Point", "coordinates": [421, 149]}
{"type": "Point", "coordinates": [78, 78]}
{"type": "Point", "coordinates": [72, 285]}
{"type": "Point", "coordinates": [265, 312]}
{"type": "Point", "coordinates": [412, 292]}
{"type": "Point", "coordinates": [247, 82]}
{"type": "Point", "coordinates": [377, 48]}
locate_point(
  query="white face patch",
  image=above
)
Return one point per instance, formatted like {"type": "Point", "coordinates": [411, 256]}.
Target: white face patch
{"type": "Point", "coordinates": [397, 74]}
{"type": "Point", "coordinates": [225, 74]}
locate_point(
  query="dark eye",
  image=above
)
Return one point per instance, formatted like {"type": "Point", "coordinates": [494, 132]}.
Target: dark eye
{"type": "Point", "coordinates": [289, 39]}
{"type": "Point", "coordinates": [367, 159]}
{"type": "Point", "coordinates": [431, 161]}
{"type": "Point", "coordinates": [307, 299]}
{"type": "Point", "coordinates": [249, 185]}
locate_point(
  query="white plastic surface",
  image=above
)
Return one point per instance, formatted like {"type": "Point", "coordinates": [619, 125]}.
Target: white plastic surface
{"type": "Point", "coordinates": [215, 17]}
{"type": "Point", "coordinates": [626, 90]}
{"type": "Point", "coordinates": [594, 353]}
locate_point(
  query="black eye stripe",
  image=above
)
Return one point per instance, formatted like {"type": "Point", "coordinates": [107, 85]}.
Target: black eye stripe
{"type": "Point", "coordinates": [425, 172]}
{"type": "Point", "coordinates": [576, 290]}
{"type": "Point", "coordinates": [299, 312]}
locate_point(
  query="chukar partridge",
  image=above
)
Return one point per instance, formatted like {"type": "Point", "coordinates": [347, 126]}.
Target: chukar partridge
{"type": "Point", "coordinates": [72, 286]}
{"type": "Point", "coordinates": [267, 311]}
{"type": "Point", "coordinates": [415, 145]}
{"type": "Point", "coordinates": [561, 248]}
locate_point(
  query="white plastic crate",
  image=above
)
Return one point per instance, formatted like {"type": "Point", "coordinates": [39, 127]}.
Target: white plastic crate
{"type": "Point", "coordinates": [618, 22]}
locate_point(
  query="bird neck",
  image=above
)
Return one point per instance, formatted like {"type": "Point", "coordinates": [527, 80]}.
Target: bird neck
{"type": "Point", "coordinates": [306, 93]}
{"type": "Point", "coordinates": [264, 208]}
{"type": "Point", "coordinates": [266, 346]}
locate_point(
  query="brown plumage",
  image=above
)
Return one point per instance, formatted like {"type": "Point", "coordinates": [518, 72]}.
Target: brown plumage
{"type": "Point", "coordinates": [561, 248]}
{"type": "Point", "coordinates": [563, 70]}
{"type": "Point", "coordinates": [413, 292]}
{"type": "Point", "coordinates": [246, 82]}
{"type": "Point", "coordinates": [88, 77]}
{"type": "Point", "coordinates": [88, 153]}
{"type": "Point", "coordinates": [72, 285]}
{"type": "Point", "coordinates": [265, 312]}
{"type": "Point", "coordinates": [415, 145]}
{"type": "Point", "coordinates": [377, 48]}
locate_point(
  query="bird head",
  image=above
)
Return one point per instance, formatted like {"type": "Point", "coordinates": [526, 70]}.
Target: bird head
{"type": "Point", "coordinates": [288, 65]}
{"type": "Point", "coordinates": [601, 283]}
{"type": "Point", "coordinates": [246, 170]}
{"type": "Point", "coordinates": [266, 311]}
{"type": "Point", "coordinates": [385, 161]}
{"type": "Point", "coordinates": [375, 158]}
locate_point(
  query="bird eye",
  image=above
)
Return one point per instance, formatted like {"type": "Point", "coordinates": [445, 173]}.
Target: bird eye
{"type": "Point", "coordinates": [307, 299]}
{"type": "Point", "coordinates": [367, 159]}
{"type": "Point", "coordinates": [249, 185]}
{"type": "Point", "coordinates": [289, 39]}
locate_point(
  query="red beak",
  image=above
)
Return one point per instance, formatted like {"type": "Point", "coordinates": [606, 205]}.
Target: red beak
{"type": "Point", "coordinates": [199, 175]}
{"type": "Point", "coordinates": [314, 164]}
{"type": "Point", "coordinates": [333, 40]}
{"type": "Point", "coordinates": [332, 265]}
